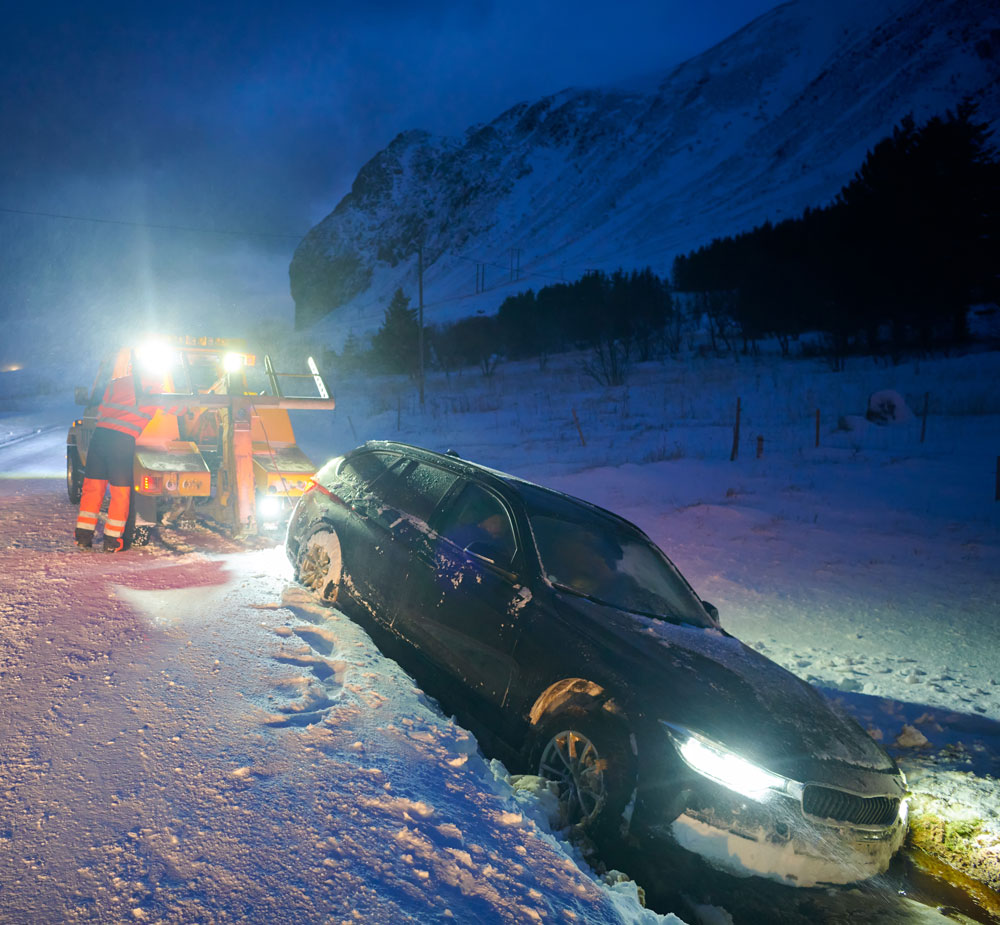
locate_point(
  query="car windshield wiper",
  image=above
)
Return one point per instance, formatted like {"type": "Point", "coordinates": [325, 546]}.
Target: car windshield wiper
{"type": "Point", "coordinates": [577, 593]}
{"type": "Point", "coordinates": [663, 618]}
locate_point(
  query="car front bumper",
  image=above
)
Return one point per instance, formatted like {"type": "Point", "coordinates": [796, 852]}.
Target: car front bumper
{"type": "Point", "coordinates": [775, 840]}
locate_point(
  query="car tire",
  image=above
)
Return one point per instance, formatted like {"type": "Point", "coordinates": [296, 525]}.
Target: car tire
{"type": "Point", "coordinates": [589, 754]}
{"type": "Point", "coordinates": [320, 564]}
{"type": "Point", "coordinates": [74, 475]}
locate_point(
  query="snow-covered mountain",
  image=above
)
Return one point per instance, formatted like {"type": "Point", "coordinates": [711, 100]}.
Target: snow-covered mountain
{"type": "Point", "coordinates": [773, 119]}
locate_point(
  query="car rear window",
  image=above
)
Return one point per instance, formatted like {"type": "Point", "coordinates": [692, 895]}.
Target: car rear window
{"type": "Point", "coordinates": [367, 467]}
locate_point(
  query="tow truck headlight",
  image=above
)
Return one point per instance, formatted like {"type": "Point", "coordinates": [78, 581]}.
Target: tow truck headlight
{"type": "Point", "coordinates": [155, 357]}
{"type": "Point", "coordinates": [232, 362]}
{"type": "Point", "coordinates": [720, 764]}
{"type": "Point", "coordinates": [268, 508]}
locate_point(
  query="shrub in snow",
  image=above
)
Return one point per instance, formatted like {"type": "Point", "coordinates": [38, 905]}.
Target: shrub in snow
{"type": "Point", "coordinates": [888, 407]}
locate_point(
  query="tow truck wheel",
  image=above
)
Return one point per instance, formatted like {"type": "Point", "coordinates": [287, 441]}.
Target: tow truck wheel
{"type": "Point", "coordinates": [74, 475]}
{"type": "Point", "coordinates": [319, 564]}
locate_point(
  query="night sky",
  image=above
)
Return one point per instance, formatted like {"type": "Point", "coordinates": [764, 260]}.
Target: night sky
{"type": "Point", "coordinates": [203, 140]}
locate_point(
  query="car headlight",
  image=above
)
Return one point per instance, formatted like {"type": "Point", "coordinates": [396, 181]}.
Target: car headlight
{"type": "Point", "coordinates": [720, 764]}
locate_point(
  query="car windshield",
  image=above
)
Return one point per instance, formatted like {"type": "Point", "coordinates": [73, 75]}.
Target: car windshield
{"type": "Point", "coordinates": [602, 558]}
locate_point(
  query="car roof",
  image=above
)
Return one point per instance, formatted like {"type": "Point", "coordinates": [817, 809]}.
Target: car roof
{"type": "Point", "coordinates": [496, 477]}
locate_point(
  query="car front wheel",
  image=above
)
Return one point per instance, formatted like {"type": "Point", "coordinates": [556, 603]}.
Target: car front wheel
{"type": "Point", "coordinates": [589, 756]}
{"type": "Point", "coordinates": [320, 563]}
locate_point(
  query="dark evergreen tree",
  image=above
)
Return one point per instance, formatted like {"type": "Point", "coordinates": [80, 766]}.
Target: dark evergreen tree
{"type": "Point", "coordinates": [395, 344]}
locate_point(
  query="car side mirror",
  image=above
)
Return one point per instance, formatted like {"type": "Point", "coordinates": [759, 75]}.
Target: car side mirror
{"type": "Point", "coordinates": [81, 396]}
{"type": "Point", "coordinates": [711, 610]}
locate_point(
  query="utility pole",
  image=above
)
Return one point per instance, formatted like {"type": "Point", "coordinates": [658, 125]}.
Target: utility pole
{"type": "Point", "coordinates": [420, 317]}
{"type": "Point", "coordinates": [515, 264]}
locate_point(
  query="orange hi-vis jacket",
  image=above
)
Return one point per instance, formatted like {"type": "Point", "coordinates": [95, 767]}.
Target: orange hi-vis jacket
{"type": "Point", "coordinates": [120, 410]}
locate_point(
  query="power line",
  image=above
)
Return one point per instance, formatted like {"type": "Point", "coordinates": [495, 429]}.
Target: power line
{"type": "Point", "coordinates": [114, 221]}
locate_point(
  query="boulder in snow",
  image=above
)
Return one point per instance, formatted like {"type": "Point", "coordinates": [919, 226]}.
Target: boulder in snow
{"type": "Point", "coordinates": [911, 737]}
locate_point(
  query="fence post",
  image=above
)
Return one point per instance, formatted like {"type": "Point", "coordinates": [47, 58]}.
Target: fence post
{"type": "Point", "coordinates": [760, 445]}
{"type": "Point", "coordinates": [736, 433]}
{"type": "Point", "coordinates": [923, 421]}
{"type": "Point", "coordinates": [817, 428]}
{"type": "Point", "coordinates": [579, 429]}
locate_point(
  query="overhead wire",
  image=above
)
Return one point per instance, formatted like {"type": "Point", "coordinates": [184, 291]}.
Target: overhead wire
{"type": "Point", "coordinates": [162, 227]}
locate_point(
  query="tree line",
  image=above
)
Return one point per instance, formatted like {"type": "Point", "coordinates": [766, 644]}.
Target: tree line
{"type": "Point", "coordinates": [619, 317]}
{"type": "Point", "coordinates": [893, 264]}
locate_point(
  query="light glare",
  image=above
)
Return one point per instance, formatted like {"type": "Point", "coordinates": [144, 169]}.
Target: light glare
{"type": "Point", "coordinates": [268, 508]}
{"type": "Point", "coordinates": [155, 357]}
{"type": "Point", "coordinates": [232, 362]}
{"type": "Point", "coordinates": [729, 769]}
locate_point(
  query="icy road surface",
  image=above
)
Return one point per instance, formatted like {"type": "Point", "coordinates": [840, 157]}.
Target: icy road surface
{"type": "Point", "coordinates": [157, 764]}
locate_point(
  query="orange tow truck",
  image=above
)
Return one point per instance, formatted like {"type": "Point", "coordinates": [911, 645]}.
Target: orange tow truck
{"type": "Point", "coordinates": [231, 457]}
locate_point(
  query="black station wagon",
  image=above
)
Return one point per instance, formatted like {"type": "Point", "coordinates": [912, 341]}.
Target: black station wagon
{"type": "Point", "coordinates": [573, 647]}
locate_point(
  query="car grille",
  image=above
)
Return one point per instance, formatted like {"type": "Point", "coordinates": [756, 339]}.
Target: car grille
{"type": "Point", "coordinates": [825, 803]}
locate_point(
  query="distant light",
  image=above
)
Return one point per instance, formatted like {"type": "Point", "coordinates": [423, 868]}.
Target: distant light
{"type": "Point", "coordinates": [232, 362]}
{"type": "Point", "coordinates": [11, 368]}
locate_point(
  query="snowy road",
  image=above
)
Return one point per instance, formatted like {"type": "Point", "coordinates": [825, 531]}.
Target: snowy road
{"type": "Point", "coordinates": [157, 765]}
{"type": "Point", "coordinates": [187, 737]}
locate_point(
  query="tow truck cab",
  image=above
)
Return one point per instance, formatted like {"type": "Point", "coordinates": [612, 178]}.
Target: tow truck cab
{"type": "Point", "coordinates": [221, 443]}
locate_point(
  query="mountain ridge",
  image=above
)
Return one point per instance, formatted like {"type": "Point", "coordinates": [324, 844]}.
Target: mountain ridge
{"type": "Point", "coordinates": [775, 118]}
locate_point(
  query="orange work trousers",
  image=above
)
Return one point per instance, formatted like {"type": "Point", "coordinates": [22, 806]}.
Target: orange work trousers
{"type": "Point", "coordinates": [90, 506]}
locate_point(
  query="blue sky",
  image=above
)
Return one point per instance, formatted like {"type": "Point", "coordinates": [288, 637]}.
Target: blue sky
{"type": "Point", "coordinates": [254, 118]}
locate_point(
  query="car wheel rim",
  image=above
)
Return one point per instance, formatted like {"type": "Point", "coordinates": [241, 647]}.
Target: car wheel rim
{"type": "Point", "coordinates": [317, 568]}
{"type": "Point", "coordinates": [572, 761]}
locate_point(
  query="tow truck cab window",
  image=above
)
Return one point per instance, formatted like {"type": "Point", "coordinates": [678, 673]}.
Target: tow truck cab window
{"type": "Point", "coordinates": [101, 381]}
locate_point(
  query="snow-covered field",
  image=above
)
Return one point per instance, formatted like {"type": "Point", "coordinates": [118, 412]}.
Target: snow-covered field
{"type": "Point", "coordinates": [187, 737]}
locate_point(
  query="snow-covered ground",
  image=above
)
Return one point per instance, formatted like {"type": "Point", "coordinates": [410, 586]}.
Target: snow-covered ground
{"type": "Point", "coordinates": [186, 736]}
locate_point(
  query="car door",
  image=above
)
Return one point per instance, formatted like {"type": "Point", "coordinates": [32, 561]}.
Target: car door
{"type": "Point", "coordinates": [401, 503]}
{"type": "Point", "coordinates": [370, 556]}
{"type": "Point", "coordinates": [463, 597]}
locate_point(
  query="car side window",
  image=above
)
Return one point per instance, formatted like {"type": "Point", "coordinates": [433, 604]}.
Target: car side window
{"type": "Point", "coordinates": [477, 522]}
{"type": "Point", "coordinates": [417, 489]}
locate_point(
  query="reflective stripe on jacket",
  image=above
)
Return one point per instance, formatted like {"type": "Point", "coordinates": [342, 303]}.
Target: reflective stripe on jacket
{"type": "Point", "coordinates": [119, 409]}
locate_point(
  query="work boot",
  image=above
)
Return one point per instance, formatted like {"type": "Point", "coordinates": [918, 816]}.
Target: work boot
{"type": "Point", "coordinates": [84, 538]}
{"type": "Point", "coordinates": [113, 544]}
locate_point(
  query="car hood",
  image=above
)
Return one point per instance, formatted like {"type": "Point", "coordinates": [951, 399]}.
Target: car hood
{"type": "Point", "coordinates": [713, 684]}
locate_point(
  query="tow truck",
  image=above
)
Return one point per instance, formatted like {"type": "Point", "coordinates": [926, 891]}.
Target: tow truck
{"type": "Point", "coordinates": [229, 457]}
